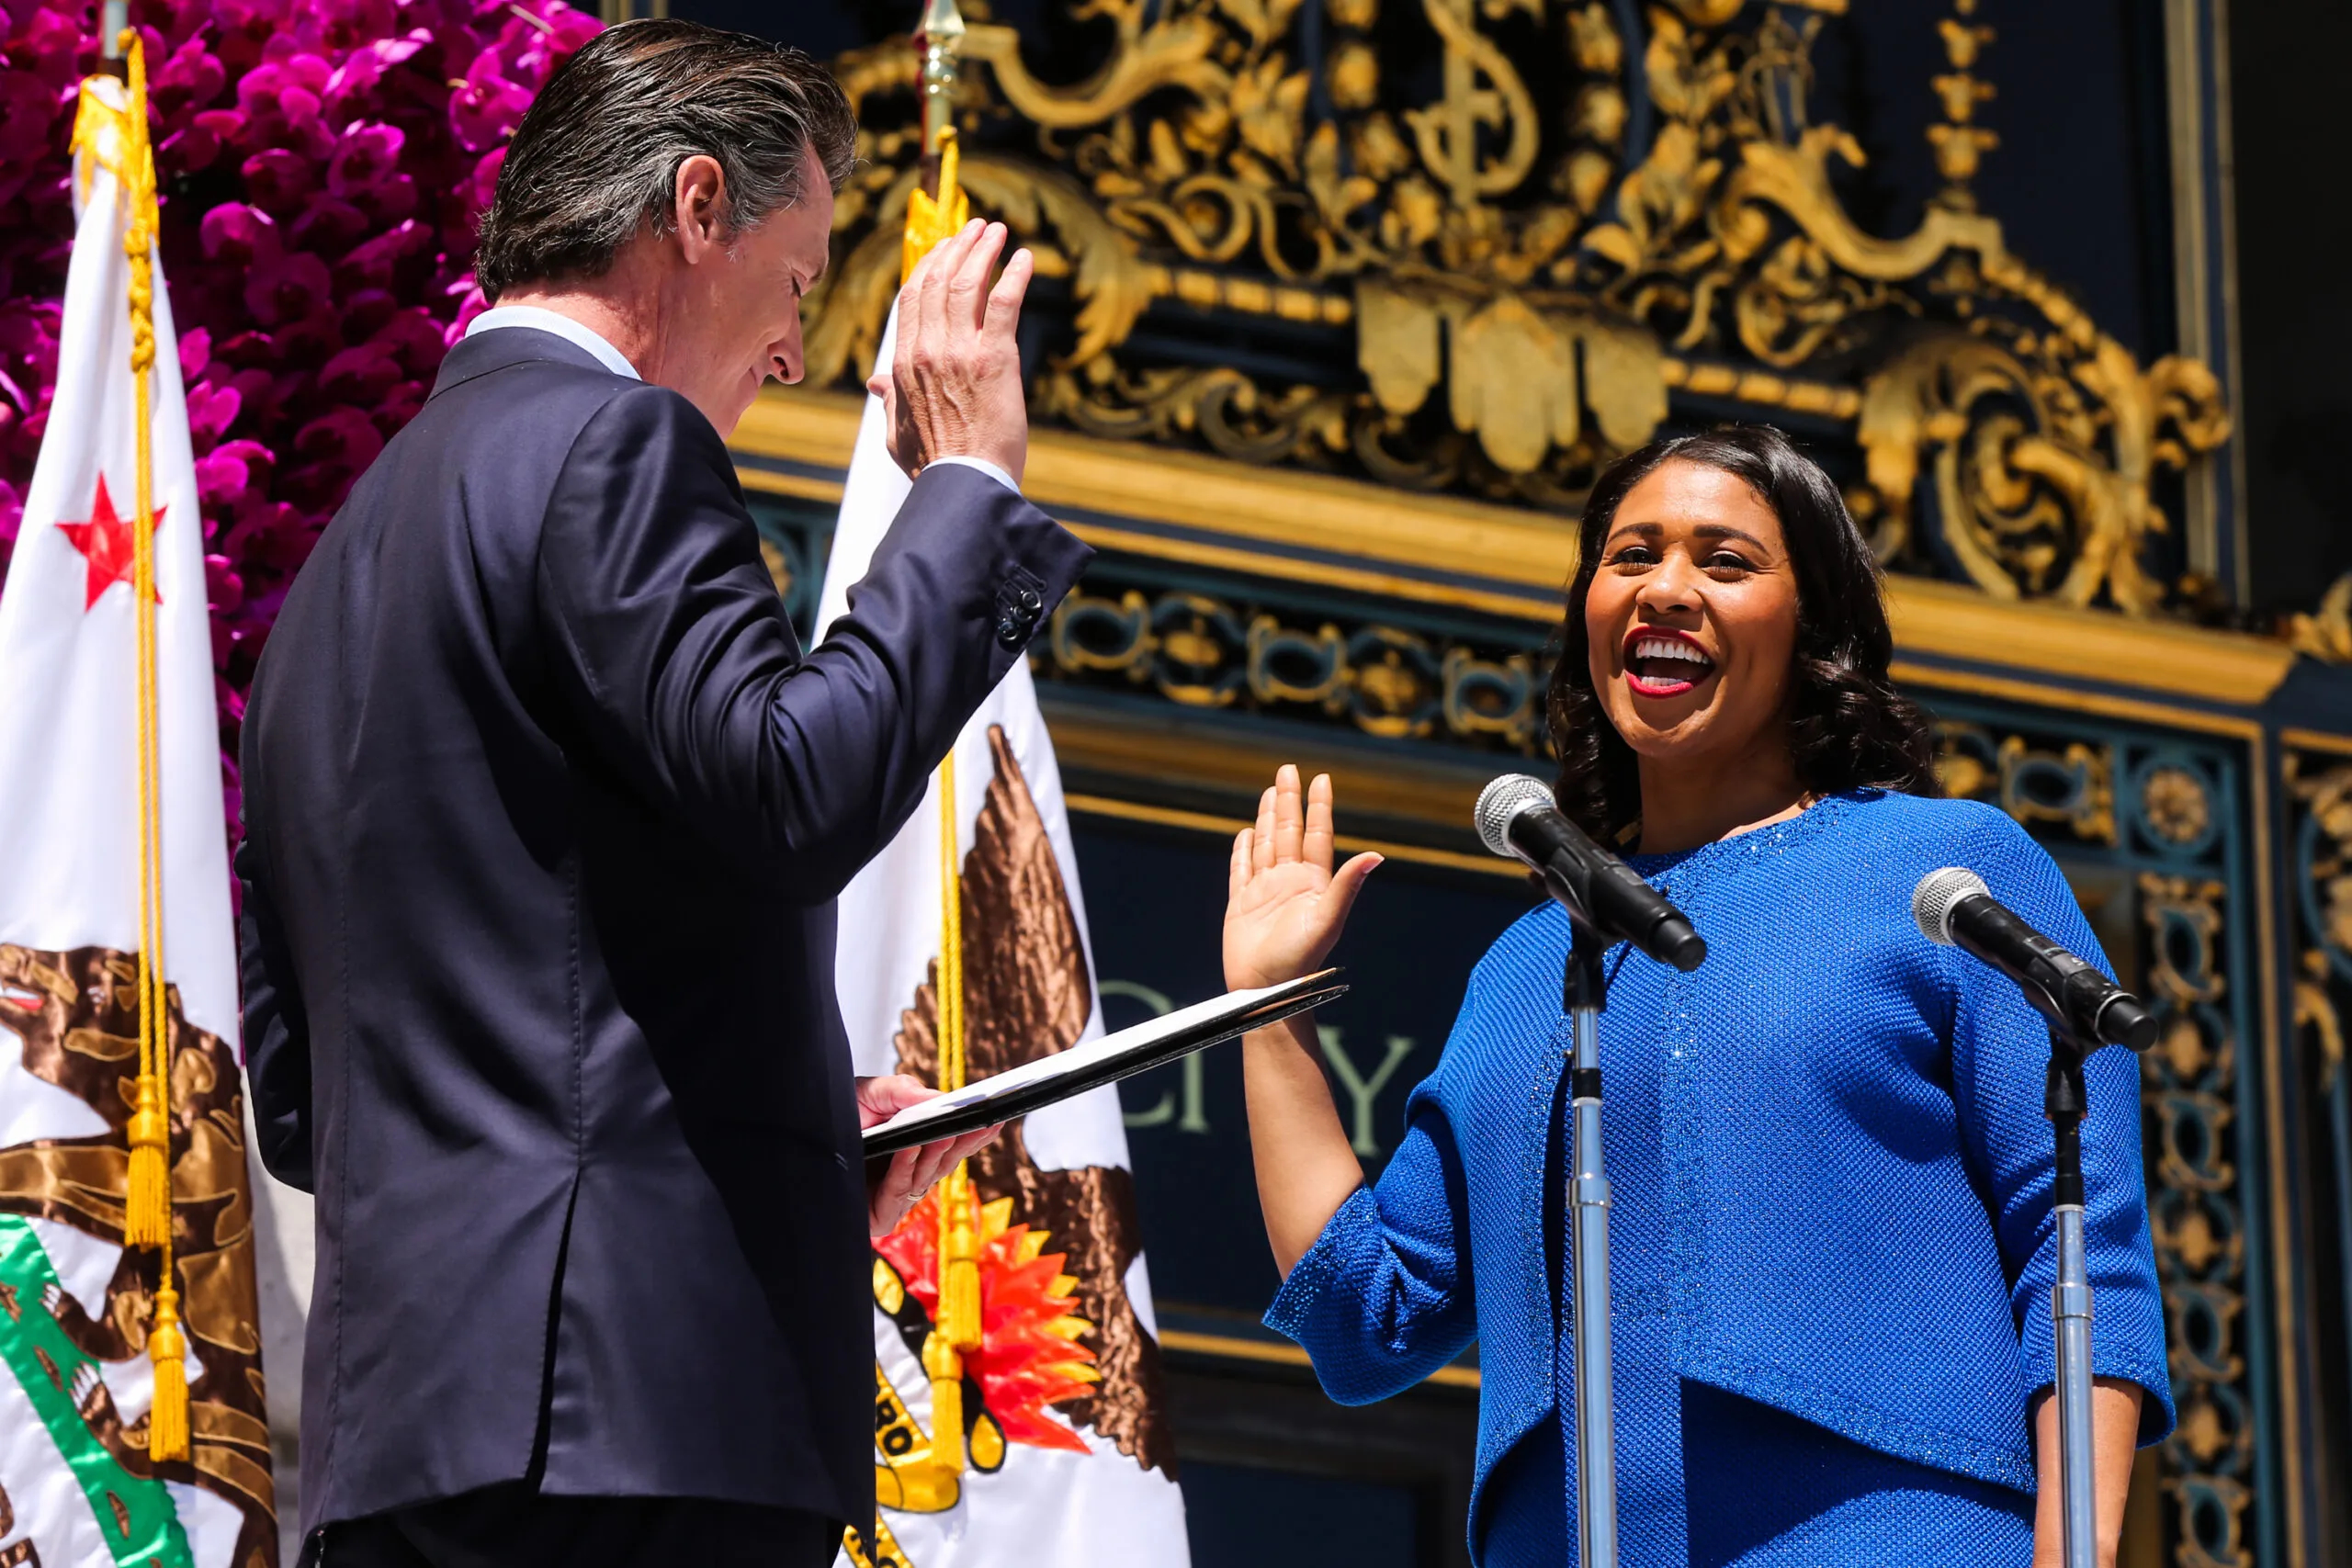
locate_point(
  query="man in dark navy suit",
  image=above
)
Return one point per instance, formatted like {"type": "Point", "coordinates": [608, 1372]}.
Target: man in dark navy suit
{"type": "Point", "coordinates": [546, 811]}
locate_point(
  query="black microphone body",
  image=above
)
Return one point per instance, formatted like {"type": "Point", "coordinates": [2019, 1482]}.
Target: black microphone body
{"type": "Point", "coordinates": [2084, 1003]}
{"type": "Point", "coordinates": [1597, 887]}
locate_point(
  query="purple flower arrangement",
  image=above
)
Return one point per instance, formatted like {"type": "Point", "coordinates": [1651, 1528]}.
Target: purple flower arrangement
{"type": "Point", "coordinates": [322, 166]}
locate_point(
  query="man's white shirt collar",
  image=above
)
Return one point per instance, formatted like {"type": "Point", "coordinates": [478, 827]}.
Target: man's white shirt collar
{"type": "Point", "coordinates": [564, 327]}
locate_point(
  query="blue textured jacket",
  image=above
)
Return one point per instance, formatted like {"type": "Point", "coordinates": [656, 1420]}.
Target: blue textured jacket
{"type": "Point", "coordinates": [1853, 1223]}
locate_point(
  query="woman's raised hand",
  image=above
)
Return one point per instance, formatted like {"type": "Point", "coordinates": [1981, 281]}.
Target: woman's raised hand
{"type": "Point", "coordinates": [1284, 905]}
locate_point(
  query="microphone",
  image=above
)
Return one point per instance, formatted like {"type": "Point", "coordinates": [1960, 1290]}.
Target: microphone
{"type": "Point", "coordinates": [1954, 908]}
{"type": "Point", "coordinates": [1518, 821]}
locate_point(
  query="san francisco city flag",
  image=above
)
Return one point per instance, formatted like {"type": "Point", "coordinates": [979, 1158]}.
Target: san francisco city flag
{"type": "Point", "coordinates": [1024, 1425]}
{"type": "Point", "coordinates": [110, 827]}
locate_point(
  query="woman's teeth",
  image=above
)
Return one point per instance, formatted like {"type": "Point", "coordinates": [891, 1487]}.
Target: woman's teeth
{"type": "Point", "coordinates": [1667, 647]}
{"type": "Point", "coordinates": [1659, 661]}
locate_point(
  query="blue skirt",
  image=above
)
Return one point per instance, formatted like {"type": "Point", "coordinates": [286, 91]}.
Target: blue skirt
{"type": "Point", "coordinates": [1706, 1479]}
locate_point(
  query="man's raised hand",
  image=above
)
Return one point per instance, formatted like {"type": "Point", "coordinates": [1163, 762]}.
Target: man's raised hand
{"type": "Point", "coordinates": [953, 386]}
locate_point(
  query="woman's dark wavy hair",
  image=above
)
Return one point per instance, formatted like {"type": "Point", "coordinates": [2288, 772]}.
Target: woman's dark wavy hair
{"type": "Point", "coordinates": [1848, 727]}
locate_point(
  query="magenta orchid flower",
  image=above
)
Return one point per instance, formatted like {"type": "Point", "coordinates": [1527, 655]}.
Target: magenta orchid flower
{"type": "Point", "coordinates": [318, 271]}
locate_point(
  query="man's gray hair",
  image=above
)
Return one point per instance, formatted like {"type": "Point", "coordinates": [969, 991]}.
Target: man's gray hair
{"type": "Point", "coordinates": [596, 159]}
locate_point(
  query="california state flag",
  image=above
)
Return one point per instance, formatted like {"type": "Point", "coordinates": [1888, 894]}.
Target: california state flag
{"type": "Point", "coordinates": [77, 1486]}
{"type": "Point", "coordinates": [1060, 1455]}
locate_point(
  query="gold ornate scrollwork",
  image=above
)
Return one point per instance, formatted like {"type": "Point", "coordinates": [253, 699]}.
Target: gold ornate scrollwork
{"type": "Point", "coordinates": [1384, 681]}
{"type": "Point", "coordinates": [2326, 634]}
{"type": "Point", "coordinates": [2071, 785]}
{"type": "Point", "coordinates": [2190, 1089]}
{"type": "Point", "coordinates": [1483, 91]}
{"type": "Point", "coordinates": [1527, 290]}
{"type": "Point", "coordinates": [2040, 453]}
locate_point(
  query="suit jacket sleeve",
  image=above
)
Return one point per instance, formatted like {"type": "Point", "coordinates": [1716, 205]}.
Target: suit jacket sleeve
{"type": "Point", "coordinates": [276, 1029]}
{"type": "Point", "coordinates": [673, 648]}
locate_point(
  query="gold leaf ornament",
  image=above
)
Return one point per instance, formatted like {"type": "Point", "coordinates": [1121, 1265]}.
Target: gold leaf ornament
{"type": "Point", "coordinates": [2326, 634]}
{"type": "Point", "coordinates": [1396, 344]}
{"type": "Point", "coordinates": [1354, 76]}
{"type": "Point", "coordinates": [1514, 382]}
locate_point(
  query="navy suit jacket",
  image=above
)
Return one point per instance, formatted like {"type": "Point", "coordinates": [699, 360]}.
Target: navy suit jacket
{"type": "Point", "coordinates": [545, 810]}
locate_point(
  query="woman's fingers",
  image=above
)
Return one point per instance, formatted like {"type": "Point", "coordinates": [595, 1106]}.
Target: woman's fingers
{"type": "Point", "coordinates": [1346, 883]}
{"type": "Point", "coordinates": [1289, 815]}
{"type": "Point", "coordinates": [1238, 874]}
{"type": "Point", "coordinates": [1262, 843]}
{"type": "Point", "coordinates": [1316, 847]}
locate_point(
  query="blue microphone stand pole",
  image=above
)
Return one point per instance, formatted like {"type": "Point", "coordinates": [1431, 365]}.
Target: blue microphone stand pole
{"type": "Point", "coordinates": [1584, 995]}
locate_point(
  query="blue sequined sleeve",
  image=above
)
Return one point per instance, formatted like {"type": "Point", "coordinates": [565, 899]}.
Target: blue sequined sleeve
{"type": "Point", "coordinates": [1383, 1298]}
{"type": "Point", "coordinates": [2000, 1050]}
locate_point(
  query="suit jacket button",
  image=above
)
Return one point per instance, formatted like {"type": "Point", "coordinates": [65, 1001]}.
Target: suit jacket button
{"type": "Point", "coordinates": [1031, 605]}
{"type": "Point", "coordinates": [1010, 632]}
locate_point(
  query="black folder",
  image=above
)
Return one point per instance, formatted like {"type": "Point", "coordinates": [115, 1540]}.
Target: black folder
{"type": "Point", "coordinates": [1034, 1084]}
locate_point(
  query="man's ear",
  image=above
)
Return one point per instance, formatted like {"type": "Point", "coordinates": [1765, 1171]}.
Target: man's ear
{"type": "Point", "coordinates": [699, 207]}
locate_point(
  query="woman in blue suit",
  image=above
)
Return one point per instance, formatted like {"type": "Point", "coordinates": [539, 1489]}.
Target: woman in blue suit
{"type": "Point", "coordinates": [1831, 1242]}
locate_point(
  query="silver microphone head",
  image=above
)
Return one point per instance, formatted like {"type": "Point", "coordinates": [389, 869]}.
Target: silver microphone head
{"type": "Point", "coordinates": [1501, 801]}
{"type": "Point", "coordinates": [1932, 900]}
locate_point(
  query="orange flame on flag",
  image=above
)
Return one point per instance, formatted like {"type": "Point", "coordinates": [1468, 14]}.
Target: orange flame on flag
{"type": "Point", "coordinates": [1029, 1354]}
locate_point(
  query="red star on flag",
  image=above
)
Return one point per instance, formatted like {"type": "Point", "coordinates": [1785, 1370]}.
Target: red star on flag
{"type": "Point", "coordinates": [105, 541]}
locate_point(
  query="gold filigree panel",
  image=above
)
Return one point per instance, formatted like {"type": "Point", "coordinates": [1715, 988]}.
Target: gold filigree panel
{"type": "Point", "coordinates": [1537, 247]}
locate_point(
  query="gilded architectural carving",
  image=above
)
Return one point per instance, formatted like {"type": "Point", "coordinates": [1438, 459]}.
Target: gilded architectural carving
{"type": "Point", "coordinates": [2326, 633]}
{"type": "Point", "coordinates": [2070, 784]}
{"type": "Point", "coordinates": [1567, 229]}
{"type": "Point", "coordinates": [2188, 1086]}
{"type": "Point", "coordinates": [2319, 895]}
{"type": "Point", "coordinates": [1384, 680]}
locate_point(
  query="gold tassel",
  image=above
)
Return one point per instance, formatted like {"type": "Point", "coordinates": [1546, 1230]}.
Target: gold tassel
{"type": "Point", "coordinates": [945, 1369]}
{"type": "Point", "coordinates": [931, 218]}
{"type": "Point", "coordinates": [959, 1296]}
{"type": "Point", "coordinates": [147, 1216]}
{"type": "Point", "coordinates": [964, 1303]}
{"type": "Point", "coordinates": [167, 1436]}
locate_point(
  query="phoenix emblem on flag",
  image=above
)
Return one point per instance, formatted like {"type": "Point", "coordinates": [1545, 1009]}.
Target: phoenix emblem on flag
{"type": "Point", "coordinates": [1062, 1350]}
{"type": "Point", "coordinates": [77, 1352]}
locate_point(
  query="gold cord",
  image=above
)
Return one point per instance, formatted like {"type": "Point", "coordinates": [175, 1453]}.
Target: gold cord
{"type": "Point", "coordinates": [955, 1329]}
{"type": "Point", "coordinates": [147, 1217]}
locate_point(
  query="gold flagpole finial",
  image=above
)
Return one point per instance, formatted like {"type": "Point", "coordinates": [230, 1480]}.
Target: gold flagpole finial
{"type": "Point", "coordinates": [942, 36]}
{"type": "Point", "coordinates": [936, 207]}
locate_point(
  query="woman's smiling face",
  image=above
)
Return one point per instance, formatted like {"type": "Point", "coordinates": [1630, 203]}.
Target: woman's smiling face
{"type": "Point", "coordinates": [1690, 620]}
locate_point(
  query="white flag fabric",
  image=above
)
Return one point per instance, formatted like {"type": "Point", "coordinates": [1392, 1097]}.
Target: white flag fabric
{"type": "Point", "coordinates": [1070, 1461]}
{"type": "Point", "coordinates": [76, 1385]}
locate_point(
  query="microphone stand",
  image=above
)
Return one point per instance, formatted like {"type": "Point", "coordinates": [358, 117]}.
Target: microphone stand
{"type": "Point", "coordinates": [2065, 1100]}
{"type": "Point", "coordinates": [1584, 994]}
